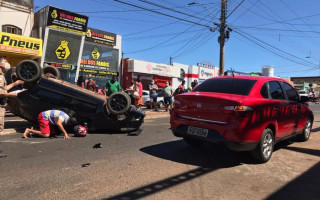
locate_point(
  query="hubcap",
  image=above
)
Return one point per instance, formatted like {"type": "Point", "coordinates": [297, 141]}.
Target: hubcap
{"type": "Point", "coordinates": [28, 71]}
{"type": "Point", "coordinates": [307, 130]}
{"type": "Point", "coordinates": [118, 102]}
{"type": "Point", "coordinates": [267, 145]}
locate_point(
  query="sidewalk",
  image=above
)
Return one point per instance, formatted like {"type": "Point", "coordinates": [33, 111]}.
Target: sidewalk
{"type": "Point", "coordinates": [156, 114]}
{"type": "Point", "coordinates": [14, 124]}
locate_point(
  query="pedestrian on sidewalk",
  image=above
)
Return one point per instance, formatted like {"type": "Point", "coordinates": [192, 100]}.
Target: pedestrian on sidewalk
{"type": "Point", "coordinates": [4, 66]}
{"type": "Point", "coordinates": [131, 89]}
{"type": "Point", "coordinates": [112, 86]}
{"type": "Point", "coordinates": [80, 81]}
{"type": "Point", "coordinates": [167, 95]}
{"type": "Point", "coordinates": [140, 88]}
{"type": "Point", "coordinates": [47, 121]}
{"type": "Point", "coordinates": [90, 83]}
{"type": "Point", "coordinates": [153, 88]}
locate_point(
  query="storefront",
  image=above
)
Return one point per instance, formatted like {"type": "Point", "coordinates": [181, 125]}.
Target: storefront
{"type": "Point", "coordinates": [17, 48]}
{"type": "Point", "coordinates": [63, 40]}
{"type": "Point", "coordinates": [100, 56]}
{"type": "Point", "coordinates": [159, 72]}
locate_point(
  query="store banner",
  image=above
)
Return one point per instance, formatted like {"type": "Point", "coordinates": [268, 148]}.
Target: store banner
{"type": "Point", "coordinates": [139, 66]}
{"type": "Point", "coordinates": [20, 44]}
{"type": "Point", "coordinates": [101, 37]}
{"type": "Point", "coordinates": [62, 47]}
{"type": "Point", "coordinates": [67, 21]}
{"type": "Point", "coordinates": [205, 73]}
{"type": "Point", "coordinates": [99, 59]}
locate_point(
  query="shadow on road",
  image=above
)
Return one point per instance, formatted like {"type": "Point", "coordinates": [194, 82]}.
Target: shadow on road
{"type": "Point", "coordinates": [315, 129]}
{"type": "Point", "coordinates": [18, 125]}
{"type": "Point", "coordinates": [208, 159]}
{"type": "Point", "coordinates": [306, 186]}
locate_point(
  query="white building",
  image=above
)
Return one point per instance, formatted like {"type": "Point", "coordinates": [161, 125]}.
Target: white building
{"type": "Point", "coordinates": [16, 17]}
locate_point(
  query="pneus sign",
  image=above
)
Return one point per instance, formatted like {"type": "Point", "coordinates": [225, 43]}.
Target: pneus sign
{"type": "Point", "coordinates": [62, 47]}
{"type": "Point", "coordinates": [20, 44]}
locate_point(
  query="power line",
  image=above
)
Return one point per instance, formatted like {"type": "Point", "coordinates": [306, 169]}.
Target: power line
{"type": "Point", "coordinates": [177, 11]}
{"type": "Point", "coordinates": [270, 48]}
{"type": "Point", "coordinates": [163, 14]}
{"type": "Point", "coordinates": [235, 8]}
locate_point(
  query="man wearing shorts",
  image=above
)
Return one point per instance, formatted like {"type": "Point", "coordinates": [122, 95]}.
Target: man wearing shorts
{"type": "Point", "coordinates": [47, 121]}
{"type": "Point", "coordinates": [153, 95]}
{"type": "Point", "coordinates": [167, 96]}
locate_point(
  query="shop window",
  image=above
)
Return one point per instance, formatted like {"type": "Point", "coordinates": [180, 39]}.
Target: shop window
{"type": "Point", "coordinates": [11, 29]}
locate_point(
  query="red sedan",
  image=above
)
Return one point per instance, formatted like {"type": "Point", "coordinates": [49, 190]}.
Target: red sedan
{"type": "Point", "coordinates": [247, 113]}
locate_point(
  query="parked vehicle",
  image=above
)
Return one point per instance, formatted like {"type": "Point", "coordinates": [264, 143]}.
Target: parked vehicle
{"type": "Point", "coordinates": [46, 92]}
{"type": "Point", "coordinates": [247, 114]}
{"type": "Point", "coordinates": [303, 93]}
{"type": "Point", "coordinates": [146, 98]}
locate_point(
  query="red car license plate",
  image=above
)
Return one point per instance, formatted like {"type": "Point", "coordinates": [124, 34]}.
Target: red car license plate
{"type": "Point", "coordinates": [197, 131]}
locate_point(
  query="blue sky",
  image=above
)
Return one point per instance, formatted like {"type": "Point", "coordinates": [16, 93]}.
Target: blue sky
{"type": "Point", "coordinates": [281, 33]}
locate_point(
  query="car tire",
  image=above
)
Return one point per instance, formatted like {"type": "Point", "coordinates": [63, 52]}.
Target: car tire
{"type": "Point", "coordinates": [264, 150]}
{"type": "Point", "coordinates": [305, 135]}
{"type": "Point", "coordinates": [161, 104]}
{"type": "Point", "coordinates": [29, 71]}
{"type": "Point", "coordinates": [193, 142]}
{"type": "Point", "coordinates": [50, 71]}
{"type": "Point", "coordinates": [118, 103]}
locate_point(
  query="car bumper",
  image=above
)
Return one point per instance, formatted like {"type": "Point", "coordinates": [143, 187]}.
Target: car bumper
{"type": "Point", "coordinates": [215, 137]}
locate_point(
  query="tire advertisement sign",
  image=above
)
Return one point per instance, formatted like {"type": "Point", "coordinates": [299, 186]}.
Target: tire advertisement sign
{"type": "Point", "coordinates": [205, 73]}
{"type": "Point", "coordinates": [99, 60]}
{"type": "Point", "coordinates": [67, 21]}
{"type": "Point", "coordinates": [140, 66]}
{"type": "Point", "coordinates": [62, 47]}
{"type": "Point", "coordinates": [101, 37]}
{"type": "Point", "coordinates": [19, 44]}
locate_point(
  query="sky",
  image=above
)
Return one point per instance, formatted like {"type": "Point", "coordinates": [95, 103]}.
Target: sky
{"type": "Point", "coordinates": [284, 34]}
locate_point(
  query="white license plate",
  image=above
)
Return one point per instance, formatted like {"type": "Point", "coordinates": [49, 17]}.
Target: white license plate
{"type": "Point", "coordinates": [197, 131]}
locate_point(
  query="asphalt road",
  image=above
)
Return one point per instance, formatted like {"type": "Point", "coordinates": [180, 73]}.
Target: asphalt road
{"type": "Point", "coordinates": [153, 165]}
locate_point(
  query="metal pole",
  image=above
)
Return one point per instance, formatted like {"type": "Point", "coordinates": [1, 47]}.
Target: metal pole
{"type": "Point", "coordinates": [222, 36]}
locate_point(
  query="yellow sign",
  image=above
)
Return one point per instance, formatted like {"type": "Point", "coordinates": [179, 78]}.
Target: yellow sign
{"type": "Point", "coordinates": [88, 34]}
{"type": "Point", "coordinates": [20, 44]}
{"type": "Point", "coordinates": [54, 14]}
{"type": "Point", "coordinates": [95, 53]}
{"type": "Point", "coordinates": [63, 50]}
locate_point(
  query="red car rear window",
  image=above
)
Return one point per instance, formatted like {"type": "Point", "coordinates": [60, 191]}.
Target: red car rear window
{"type": "Point", "coordinates": [226, 85]}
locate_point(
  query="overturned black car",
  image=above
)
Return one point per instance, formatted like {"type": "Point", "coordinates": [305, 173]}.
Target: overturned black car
{"type": "Point", "coordinates": [43, 92]}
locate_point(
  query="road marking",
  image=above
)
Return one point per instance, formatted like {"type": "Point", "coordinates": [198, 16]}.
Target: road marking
{"type": "Point", "coordinates": [17, 140]}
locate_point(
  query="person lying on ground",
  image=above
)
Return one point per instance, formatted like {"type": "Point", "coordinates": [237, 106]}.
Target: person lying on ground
{"type": "Point", "coordinates": [47, 121]}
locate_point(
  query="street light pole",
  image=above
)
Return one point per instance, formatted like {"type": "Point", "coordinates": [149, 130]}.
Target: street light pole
{"type": "Point", "coordinates": [221, 38]}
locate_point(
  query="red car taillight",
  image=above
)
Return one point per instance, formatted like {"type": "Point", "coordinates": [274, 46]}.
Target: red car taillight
{"type": "Point", "coordinates": [242, 111]}
{"type": "Point", "coordinates": [238, 108]}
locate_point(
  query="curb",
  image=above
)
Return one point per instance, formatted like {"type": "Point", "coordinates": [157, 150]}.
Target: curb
{"type": "Point", "coordinates": [8, 131]}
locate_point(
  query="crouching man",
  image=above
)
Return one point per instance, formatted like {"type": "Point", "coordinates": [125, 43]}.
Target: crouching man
{"type": "Point", "coordinates": [47, 121]}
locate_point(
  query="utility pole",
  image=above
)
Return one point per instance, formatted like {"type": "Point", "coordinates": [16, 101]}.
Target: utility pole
{"type": "Point", "coordinates": [221, 38]}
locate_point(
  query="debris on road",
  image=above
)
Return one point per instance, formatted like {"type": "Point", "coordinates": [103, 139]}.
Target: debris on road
{"type": "Point", "coordinates": [98, 145]}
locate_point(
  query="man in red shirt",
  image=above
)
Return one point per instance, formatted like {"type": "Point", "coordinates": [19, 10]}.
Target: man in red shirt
{"type": "Point", "coordinates": [181, 87]}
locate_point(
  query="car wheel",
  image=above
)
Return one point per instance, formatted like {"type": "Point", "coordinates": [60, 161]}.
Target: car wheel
{"type": "Point", "coordinates": [10, 75]}
{"type": "Point", "coordinates": [264, 150]}
{"type": "Point", "coordinates": [161, 104]}
{"type": "Point", "coordinates": [28, 70]}
{"type": "Point", "coordinates": [193, 142]}
{"type": "Point", "coordinates": [304, 136]}
{"type": "Point", "coordinates": [118, 103]}
{"type": "Point", "coordinates": [50, 71]}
